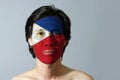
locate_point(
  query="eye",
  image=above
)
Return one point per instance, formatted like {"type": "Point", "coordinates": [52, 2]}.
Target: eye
{"type": "Point", "coordinates": [55, 33]}
{"type": "Point", "coordinates": [40, 33]}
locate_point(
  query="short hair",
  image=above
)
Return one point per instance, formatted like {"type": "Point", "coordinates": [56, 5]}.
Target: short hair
{"type": "Point", "coordinates": [47, 11]}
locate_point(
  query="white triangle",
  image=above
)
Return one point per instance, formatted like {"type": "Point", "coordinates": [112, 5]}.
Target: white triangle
{"type": "Point", "coordinates": [36, 36]}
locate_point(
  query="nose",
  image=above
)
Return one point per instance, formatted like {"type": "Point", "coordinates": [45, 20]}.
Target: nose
{"type": "Point", "coordinates": [49, 41]}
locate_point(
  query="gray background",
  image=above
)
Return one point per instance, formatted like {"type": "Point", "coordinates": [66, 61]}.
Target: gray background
{"type": "Point", "coordinates": [94, 47]}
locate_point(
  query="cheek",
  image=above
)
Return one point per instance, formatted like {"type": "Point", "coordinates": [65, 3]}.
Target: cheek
{"type": "Point", "coordinates": [60, 38]}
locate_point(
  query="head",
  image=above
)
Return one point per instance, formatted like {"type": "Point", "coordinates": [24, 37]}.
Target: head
{"type": "Point", "coordinates": [42, 12]}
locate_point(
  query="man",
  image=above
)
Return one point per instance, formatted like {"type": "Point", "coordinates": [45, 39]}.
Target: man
{"type": "Point", "coordinates": [47, 32]}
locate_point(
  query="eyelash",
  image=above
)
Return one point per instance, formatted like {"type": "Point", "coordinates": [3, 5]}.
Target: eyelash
{"type": "Point", "coordinates": [55, 33]}
{"type": "Point", "coordinates": [41, 33]}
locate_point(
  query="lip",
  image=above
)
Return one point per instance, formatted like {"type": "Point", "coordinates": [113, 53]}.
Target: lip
{"type": "Point", "coordinates": [49, 52]}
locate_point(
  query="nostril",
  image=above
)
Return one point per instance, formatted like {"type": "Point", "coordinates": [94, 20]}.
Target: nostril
{"type": "Point", "coordinates": [49, 44]}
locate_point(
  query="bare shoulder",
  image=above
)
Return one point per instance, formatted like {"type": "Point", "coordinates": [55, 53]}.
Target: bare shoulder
{"type": "Point", "coordinates": [18, 77]}
{"type": "Point", "coordinates": [79, 75]}
{"type": "Point", "coordinates": [23, 76]}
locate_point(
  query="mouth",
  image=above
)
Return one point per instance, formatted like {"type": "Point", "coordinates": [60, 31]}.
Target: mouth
{"type": "Point", "coordinates": [49, 52]}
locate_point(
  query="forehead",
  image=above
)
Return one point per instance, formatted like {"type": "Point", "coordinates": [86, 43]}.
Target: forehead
{"type": "Point", "coordinates": [50, 23]}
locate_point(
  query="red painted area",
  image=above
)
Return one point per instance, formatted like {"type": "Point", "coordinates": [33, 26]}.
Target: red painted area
{"type": "Point", "coordinates": [49, 49]}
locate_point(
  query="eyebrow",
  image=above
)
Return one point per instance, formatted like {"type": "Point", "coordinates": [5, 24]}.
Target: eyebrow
{"type": "Point", "coordinates": [41, 29]}
{"type": "Point", "coordinates": [58, 30]}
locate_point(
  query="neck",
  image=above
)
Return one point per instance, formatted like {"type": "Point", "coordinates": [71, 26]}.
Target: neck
{"type": "Point", "coordinates": [48, 71]}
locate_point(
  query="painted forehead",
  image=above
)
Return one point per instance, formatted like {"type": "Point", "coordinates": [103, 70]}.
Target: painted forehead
{"type": "Point", "coordinates": [50, 23]}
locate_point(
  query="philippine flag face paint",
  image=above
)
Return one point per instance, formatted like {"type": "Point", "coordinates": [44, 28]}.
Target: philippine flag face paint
{"type": "Point", "coordinates": [48, 39]}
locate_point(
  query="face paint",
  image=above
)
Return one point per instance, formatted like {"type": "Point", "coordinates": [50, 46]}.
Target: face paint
{"type": "Point", "coordinates": [48, 39]}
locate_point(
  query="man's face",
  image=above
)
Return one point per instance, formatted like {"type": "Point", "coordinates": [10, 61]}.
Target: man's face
{"type": "Point", "coordinates": [48, 39]}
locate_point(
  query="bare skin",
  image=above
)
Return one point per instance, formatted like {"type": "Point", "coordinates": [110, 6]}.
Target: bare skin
{"type": "Point", "coordinates": [55, 71]}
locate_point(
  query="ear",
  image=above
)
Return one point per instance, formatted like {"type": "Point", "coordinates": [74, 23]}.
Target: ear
{"type": "Point", "coordinates": [65, 42]}
{"type": "Point", "coordinates": [30, 41]}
